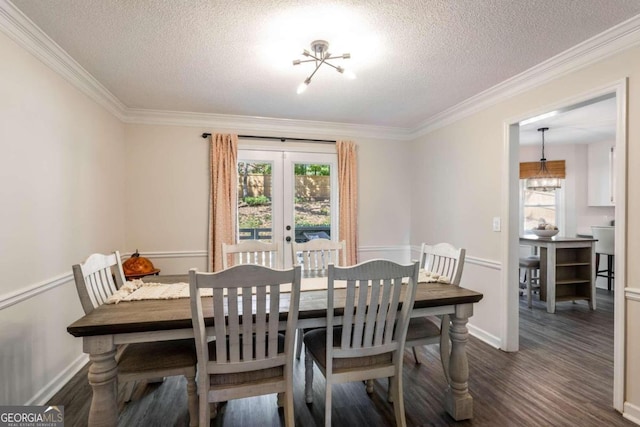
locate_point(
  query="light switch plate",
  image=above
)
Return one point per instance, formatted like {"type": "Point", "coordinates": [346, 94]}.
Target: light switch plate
{"type": "Point", "coordinates": [496, 223]}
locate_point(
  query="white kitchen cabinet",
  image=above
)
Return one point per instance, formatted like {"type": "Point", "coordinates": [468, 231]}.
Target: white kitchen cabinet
{"type": "Point", "coordinates": [600, 174]}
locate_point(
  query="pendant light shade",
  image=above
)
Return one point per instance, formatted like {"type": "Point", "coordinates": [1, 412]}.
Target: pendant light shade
{"type": "Point", "coordinates": [543, 180]}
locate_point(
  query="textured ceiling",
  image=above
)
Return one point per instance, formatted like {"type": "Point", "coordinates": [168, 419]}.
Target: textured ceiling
{"type": "Point", "coordinates": [413, 58]}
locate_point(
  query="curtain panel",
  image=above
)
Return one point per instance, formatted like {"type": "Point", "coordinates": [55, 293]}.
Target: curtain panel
{"type": "Point", "coordinates": [348, 194]}
{"type": "Point", "coordinates": [222, 201]}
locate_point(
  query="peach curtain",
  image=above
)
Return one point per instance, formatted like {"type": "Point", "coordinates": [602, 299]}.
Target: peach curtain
{"type": "Point", "coordinates": [348, 205]}
{"type": "Point", "coordinates": [222, 202]}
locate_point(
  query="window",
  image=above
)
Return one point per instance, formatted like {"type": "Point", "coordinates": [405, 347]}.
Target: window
{"type": "Point", "coordinates": [538, 206]}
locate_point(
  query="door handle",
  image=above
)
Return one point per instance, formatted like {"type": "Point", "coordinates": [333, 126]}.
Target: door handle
{"type": "Point", "coordinates": [288, 238]}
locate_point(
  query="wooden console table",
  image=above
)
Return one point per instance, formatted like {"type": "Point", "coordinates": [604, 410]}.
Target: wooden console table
{"type": "Point", "coordinates": [567, 269]}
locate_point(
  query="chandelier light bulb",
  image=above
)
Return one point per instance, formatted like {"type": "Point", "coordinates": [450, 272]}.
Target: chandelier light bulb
{"type": "Point", "coordinates": [349, 74]}
{"type": "Point", "coordinates": [302, 87]}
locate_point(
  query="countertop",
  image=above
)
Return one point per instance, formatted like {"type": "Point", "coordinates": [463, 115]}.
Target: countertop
{"type": "Point", "coordinates": [557, 238]}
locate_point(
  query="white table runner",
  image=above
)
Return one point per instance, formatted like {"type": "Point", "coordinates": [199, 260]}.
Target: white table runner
{"type": "Point", "coordinates": [137, 290]}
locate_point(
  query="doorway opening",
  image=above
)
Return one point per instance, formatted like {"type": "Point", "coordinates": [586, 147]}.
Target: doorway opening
{"type": "Point", "coordinates": [515, 133]}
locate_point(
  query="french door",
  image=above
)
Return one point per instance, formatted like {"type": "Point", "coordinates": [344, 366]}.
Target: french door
{"type": "Point", "coordinates": [285, 196]}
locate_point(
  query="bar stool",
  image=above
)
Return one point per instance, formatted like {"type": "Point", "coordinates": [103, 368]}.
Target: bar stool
{"type": "Point", "coordinates": [605, 245]}
{"type": "Point", "coordinates": [530, 264]}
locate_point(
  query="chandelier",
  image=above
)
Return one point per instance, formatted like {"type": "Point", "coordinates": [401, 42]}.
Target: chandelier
{"type": "Point", "coordinates": [320, 55]}
{"type": "Point", "coordinates": [543, 180]}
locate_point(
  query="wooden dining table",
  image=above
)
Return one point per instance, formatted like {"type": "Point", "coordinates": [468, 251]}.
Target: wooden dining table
{"type": "Point", "coordinates": [110, 325]}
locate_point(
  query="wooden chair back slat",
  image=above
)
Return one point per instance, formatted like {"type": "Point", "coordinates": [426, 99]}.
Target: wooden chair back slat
{"type": "Point", "coordinates": [94, 279]}
{"type": "Point", "coordinates": [443, 259]}
{"type": "Point", "coordinates": [250, 298]}
{"type": "Point", "coordinates": [371, 322]}
{"type": "Point", "coordinates": [252, 252]}
{"type": "Point", "coordinates": [315, 256]}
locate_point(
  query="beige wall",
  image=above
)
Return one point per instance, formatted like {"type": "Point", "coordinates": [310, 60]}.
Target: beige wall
{"type": "Point", "coordinates": [61, 186]}
{"type": "Point", "coordinates": [460, 170]}
{"type": "Point", "coordinates": [168, 186]}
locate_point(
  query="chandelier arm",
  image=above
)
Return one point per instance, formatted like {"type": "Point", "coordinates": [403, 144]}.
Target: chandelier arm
{"type": "Point", "coordinates": [314, 71]}
{"type": "Point", "coordinates": [333, 66]}
{"type": "Point", "coordinates": [307, 60]}
{"type": "Point", "coordinates": [337, 57]}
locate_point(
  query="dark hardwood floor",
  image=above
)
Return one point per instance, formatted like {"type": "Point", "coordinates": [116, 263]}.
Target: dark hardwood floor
{"type": "Point", "coordinates": [562, 376]}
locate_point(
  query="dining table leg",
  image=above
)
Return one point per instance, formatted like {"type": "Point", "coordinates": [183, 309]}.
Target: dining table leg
{"type": "Point", "coordinates": [458, 401]}
{"type": "Point", "coordinates": [103, 380]}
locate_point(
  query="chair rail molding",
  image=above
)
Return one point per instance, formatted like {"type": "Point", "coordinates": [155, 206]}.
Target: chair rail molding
{"type": "Point", "coordinates": [169, 254]}
{"type": "Point", "coordinates": [17, 296]}
{"type": "Point", "coordinates": [482, 262]}
{"type": "Point", "coordinates": [632, 294]}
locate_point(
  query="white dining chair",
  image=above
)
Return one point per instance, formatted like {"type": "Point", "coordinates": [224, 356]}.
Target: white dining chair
{"type": "Point", "coordinates": [605, 245]}
{"type": "Point", "coordinates": [252, 252]}
{"type": "Point", "coordinates": [445, 260]}
{"type": "Point", "coordinates": [367, 341]}
{"type": "Point", "coordinates": [314, 257]}
{"type": "Point", "coordinates": [243, 355]}
{"type": "Point", "coordinates": [96, 280]}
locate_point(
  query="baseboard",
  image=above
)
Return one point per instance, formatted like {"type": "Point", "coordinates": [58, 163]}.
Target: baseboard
{"type": "Point", "coordinates": [54, 386]}
{"type": "Point", "coordinates": [631, 412]}
{"type": "Point", "coordinates": [485, 336]}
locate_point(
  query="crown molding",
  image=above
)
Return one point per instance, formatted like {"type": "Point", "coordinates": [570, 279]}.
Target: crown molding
{"type": "Point", "coordinates": [247, 124]}
{"type": "Point", "coordinates": [28, 35]}
{"type": "Point", "coordinates": [22, 30]}
{"type": "Point", "coordinates": [610, 42]}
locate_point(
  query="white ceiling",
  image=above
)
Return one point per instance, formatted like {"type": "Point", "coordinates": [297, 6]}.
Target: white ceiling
{"type": "Point", "coordinates": [595, 122]}
{"type": "Point", "coordinates": [413, 58]}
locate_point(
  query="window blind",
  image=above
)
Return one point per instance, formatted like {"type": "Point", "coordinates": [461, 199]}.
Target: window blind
{"type": "Point", "coordinates": [530, 169]}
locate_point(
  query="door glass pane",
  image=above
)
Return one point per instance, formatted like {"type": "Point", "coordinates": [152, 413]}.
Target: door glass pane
{"type": "Point", "coordinates": [312, 204]}
{"type": "Point", "coordinates": [255, 206]}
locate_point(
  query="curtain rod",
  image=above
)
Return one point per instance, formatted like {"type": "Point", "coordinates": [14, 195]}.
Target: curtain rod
{"type": "Point", "coordinates": [280, 138]}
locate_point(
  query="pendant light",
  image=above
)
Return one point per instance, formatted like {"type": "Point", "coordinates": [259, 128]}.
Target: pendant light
{"type": "Point", "coordinates": [543, 180]}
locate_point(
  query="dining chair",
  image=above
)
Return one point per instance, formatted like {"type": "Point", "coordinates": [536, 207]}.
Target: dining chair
{"type": "Point", "coordinates": [247, 357]}
{"type": "Point", "coordinates": [252, 252]}
{"type": "Point", "coordinates": [96, 280]}
{"type": "Point", "coordinates": [445, 260]}
{"type": "Point", "coordinates": [605, 245]}
{"type": "Point", "coordinates": [367, 341]}
{"type": "Point", "coordinates": [314, 257]}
